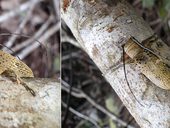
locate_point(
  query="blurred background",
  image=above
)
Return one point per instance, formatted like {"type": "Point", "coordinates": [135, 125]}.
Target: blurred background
{"type": "Point", "coordinates": [32, 20]}
{"type": "Point", "coordinates": [91, 102]}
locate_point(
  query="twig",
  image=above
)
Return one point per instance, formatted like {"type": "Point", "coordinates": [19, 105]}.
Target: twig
{"type": "Point", "coordinates": [34, 37]}
{"type": "Point", "coordinates": [73, 54]}
{"type": "Point", "coordinates": [51, 31]}
{"type": "Point", "coordinates": [81, 115]}
{"type": "Point", "coordinates": [57, 8]}
{"type": "Point", "coordinates": [66, 38]}
{"type": "Point", "coordinates": [70, 89]}
{"type": "Point", "coordinates": [155, 22]}
{"type": "Point", "coordinates": [81, 94]}
{"type": "Point", "coordinates": [17, 11]}
{"type": "Point", "coordinates": [136, 2]}
{"type": "Point", "coordinates": [21, 26]}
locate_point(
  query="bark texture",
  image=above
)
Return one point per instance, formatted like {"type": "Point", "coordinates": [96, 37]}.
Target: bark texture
{"type": "Point", "coordinates": [101, 28]}
{"type": "Point", "coordinates": [19, 109]}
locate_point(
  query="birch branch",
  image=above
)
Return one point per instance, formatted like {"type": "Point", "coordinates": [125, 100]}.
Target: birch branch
{"type": "Point", "coordinates": [102, 27]}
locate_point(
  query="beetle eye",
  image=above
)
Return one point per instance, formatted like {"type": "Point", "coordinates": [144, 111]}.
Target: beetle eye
{"type": "Point", "coordinates": [17, 64]}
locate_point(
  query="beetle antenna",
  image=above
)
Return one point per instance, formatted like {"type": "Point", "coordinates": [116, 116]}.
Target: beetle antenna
{"type": "Point", "coordinates": [9, 49]}
{"type": "Point", "coordinates": [124, 70]}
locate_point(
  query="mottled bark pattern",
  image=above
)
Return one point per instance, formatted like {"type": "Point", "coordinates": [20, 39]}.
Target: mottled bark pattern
{"type": "Point", "coordinates": [149, 63]}
{"type": "Point", "coordinates": [19, 109]}
{"type": "Point", "coordinates": [101, 29]}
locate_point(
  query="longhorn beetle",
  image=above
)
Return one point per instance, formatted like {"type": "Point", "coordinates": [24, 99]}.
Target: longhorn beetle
{"type": "Point", "coordinates": [149, 63]}
{"type": "Point", "coordinates": [11, 66]}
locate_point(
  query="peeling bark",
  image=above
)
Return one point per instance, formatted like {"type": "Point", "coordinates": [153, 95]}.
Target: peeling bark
{"type": "Point", "coordinates": [19, 109]}
{"type": "Point", "coordinates": [102, 27]}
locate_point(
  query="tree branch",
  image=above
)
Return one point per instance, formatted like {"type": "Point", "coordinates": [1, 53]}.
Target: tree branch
{"type": "Point", "coordinates": [102, 28]}
{"type": "Point", "coordinates": [18, 108]}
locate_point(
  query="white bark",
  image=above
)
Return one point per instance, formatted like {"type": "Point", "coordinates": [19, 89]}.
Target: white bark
{"type": "Point", "coordinates": [19, 109]}
{"type": "Point", "coordinates": [101, 28]}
